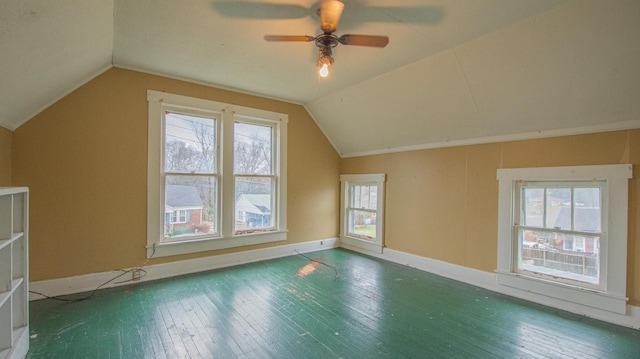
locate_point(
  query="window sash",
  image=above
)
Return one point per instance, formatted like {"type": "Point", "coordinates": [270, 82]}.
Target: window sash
{"type": "Point", "coordinates": [547, 202]}
{"type": "Point", "coordinates": [357, 192]}
{"type": "Point", "coordinates": [263, 221]}
{"type": "Point", "coordinates": [560, 263]}
{"type": "Point", "coordinates": [353, 223]}
{"type": "Point", "coordinates": [270, 156]}
{"type": "Point", "coordinates": [200, 228]}
{"type": "Point", "coordinates": [190, 129]}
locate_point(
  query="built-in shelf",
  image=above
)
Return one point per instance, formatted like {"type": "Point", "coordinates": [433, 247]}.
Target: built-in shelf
{"type": "Point", "coordinates": [14, 272]}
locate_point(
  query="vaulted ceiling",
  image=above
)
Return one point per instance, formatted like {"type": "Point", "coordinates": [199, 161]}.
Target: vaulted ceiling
{"type": "Point", "coordinates": [454, 72]}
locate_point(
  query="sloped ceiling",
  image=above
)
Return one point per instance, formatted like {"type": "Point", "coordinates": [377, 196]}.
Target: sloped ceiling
{"type": "Point", "coordinates": [454, 72]}
{"type": "Point", "coordinates": [49, 48]}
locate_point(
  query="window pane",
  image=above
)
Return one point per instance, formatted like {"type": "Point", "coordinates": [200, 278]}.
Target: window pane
{"type": "Point", "coordinates": [560, 255]}
{"type": "Point", "coordinates": [189, 145]}
{"type": "Point", "coordinates": [362, 223]}
{"type": "Point", "coordinates": [533, 206]}
{"type": "Point", "coordinates": [252, 149]}
{"type": "Point", "coordinates": [254, 204]}
{"type": "Point", "coordinates": [364, 196]}
{"type": "Point", "coordinates": [190, 207]}
{"type": "Point", "coordinates": [558, 208]}
{"type": "Point", "coordinates": [587, 210]}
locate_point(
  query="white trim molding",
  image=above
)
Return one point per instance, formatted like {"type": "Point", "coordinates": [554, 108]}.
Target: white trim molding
{"type": "Point", "coordinates": [611, 296]}
{"type": "Point", "coordinates": [607, 127]}
{"type": "Point", "coordinates": [478, 278]}
{"type": "Point", "coordinates": [347, 239]}
{"type": "Point", "coordinates": [629, 318]}
{"type": "Point", "coordinates": [89, 282]}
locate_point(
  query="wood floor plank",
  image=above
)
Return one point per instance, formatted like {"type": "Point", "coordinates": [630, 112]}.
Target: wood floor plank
{"type": "Point", "coordinates": [329, 304]}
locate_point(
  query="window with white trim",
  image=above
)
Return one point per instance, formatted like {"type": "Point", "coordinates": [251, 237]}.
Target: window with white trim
{"type": "Point", "coordinates": [207, 162]}
{"type": "Point", "coordinates": [362, 211]}
{"type": "Point", "coordinates": [562, 233]}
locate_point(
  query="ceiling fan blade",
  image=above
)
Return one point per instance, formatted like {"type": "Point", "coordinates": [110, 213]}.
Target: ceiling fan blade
{"type": "Point", "coordinates": [288, 38]}
{"type": "Point", "coordinates": [330, 12]}
{"type": "Point", "coordinates": [364, 40]}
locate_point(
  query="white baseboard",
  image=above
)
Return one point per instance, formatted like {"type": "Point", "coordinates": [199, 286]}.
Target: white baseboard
{"type": "Point", "coordinates": [478, 278]}
{"type": "Point", "coordinates": [489, 281]}
{"type": "Point", "coordinates": [89, 282]}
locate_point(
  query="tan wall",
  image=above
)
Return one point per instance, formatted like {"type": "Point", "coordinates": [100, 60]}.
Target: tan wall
{"type": "Point", "coordinates": [85, 161]}
{"type": "Point", "coordinates": [443, 203]}
{"type": "Point", "coordinates": [5, 157]}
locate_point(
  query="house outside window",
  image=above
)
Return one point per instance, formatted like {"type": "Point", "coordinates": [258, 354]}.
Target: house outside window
{"type": "Point", "coordinates": [191, 205]}
{"type": "Point", "coordinates": [362, 211]}
{"type": "Point", "coordinates": [562, 233]}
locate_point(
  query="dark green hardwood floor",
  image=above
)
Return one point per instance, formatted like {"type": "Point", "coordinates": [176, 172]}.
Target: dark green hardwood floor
{"type": "Point", "coordinates": [292, 307]}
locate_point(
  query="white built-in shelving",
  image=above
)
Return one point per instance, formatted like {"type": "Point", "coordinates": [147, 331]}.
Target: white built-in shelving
{"type": "Point", "coordinates": [14, 272]}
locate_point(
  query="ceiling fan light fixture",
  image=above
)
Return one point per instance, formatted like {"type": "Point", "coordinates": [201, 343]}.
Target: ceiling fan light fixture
{"type": "Point", "coordinates": [324, 61]}
{"type": "Point", "coordinates": [330, 12]}
{"type": "Point", "coordinates": [323, 65]}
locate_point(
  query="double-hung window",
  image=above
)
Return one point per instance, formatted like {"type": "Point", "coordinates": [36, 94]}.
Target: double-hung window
{"type": "Point", "coordinates": [559, 229]}
{"type": "Point", "coordinates": [362, 211]}
{"type": "Point", "coordinates": [562, 233]}
{"type": "Point", "coordinates": [216, 175]}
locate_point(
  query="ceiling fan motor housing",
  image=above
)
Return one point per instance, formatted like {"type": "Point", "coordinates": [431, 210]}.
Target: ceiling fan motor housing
{"type": "Point", "coordinates": [326, 40]}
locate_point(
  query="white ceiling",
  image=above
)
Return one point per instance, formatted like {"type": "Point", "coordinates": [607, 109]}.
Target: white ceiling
{"type": "Point", "coordinates": [454, 72]}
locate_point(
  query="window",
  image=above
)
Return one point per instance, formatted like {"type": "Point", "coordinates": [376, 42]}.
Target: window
{"type": "Point", "coordinates": [562, 233]}
{"type": "Point", "coordinates": [559, 230]}
{"type": "Point", "coordinates": [192, 206]}
{"type": "Point", "coordinates": [178, 217]}
{"type": "Point", "coordinates": [362, 214]}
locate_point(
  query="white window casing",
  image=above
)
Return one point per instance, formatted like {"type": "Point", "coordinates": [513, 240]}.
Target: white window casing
{"type": "Point", "coordinates": [158, 103]}
{"type": "Point", "coordinates": [611, 294]}
{"type": "Point", "coordinates": [349, 239]}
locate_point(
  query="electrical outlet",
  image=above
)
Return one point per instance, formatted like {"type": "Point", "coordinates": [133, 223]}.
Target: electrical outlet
{"type": "Point", "coordinates": [136, 273]}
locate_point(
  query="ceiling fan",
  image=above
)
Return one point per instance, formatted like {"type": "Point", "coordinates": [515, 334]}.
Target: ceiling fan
{"type": "Point", "coordinates": [330, 12]}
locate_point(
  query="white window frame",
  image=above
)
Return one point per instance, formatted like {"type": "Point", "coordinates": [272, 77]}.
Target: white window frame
{"type": "Point", "coordinates": [158, 103]}
{"type": "Point", "coordinates": [376, 244]}
{"type": "Point", "coordinates": [613, 249]}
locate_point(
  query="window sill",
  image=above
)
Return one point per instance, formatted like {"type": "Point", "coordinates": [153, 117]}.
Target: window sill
{"type": "Point", "coordinates": [564, 292]}
{"type": "Point", "coordinates": [203, 245]}
{"type": "Point", "coordinates": [356, 243]}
